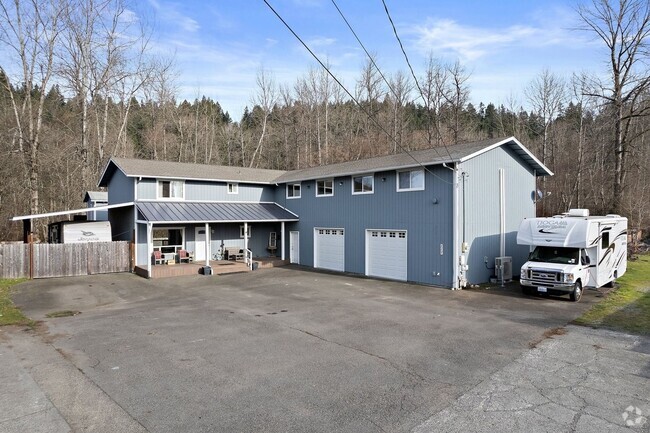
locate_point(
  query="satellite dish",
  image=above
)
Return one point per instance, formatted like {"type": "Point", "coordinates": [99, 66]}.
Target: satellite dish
{"type": "Point", "coordinates": [536, 195]}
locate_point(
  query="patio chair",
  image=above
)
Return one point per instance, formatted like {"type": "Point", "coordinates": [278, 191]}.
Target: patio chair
{"type": "Point", "coordinates": [183, 255]}
{"type": "Point", "coordinates": [158, 258]}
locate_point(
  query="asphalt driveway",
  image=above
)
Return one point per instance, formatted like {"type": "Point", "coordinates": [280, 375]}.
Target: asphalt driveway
{"type": "Point", "coordinates": [286, 349]}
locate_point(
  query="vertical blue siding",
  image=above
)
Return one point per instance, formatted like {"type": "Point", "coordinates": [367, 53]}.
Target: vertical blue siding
{"type": "Point", "coordinates": [147, 189]}
{"type": "Point", "coordinates": [120, 188]}
{"type": "Point", "coordinates": [217, 191]}
{"type": "Point", "coordinates": [482, 213]}
{"type": "Point", "coordinates": [428, 224]}
{"type": "Point", "coordinates": [214, 191]}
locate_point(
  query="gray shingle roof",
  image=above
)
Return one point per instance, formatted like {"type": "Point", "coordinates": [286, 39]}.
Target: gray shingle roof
{"type": "Point", "coordinates": [100, 196]}
{"type": "Point", "coordinates": [436, 155]}
{"type": "Point", "coordinates": [213, 212]}
{"type": "Point", "coordinates": [433, 156]}
{"type": "Point", "coordinates": [183, 170]}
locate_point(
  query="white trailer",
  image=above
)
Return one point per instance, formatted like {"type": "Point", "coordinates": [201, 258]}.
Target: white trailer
{"type": "Point", "coordinates": [74, 232]}
{"type": "Point", "coordinates": [572, 251]}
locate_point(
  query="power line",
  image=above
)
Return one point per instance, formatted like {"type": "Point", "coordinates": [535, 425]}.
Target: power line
{"type": "Point", "coordinates": [408, 62]}
{"type": "Point", "coordinates": [375, 65]}
{"type": "Point", "coordinates": [364, 49]}
{"type": "Point", "coordinates": [370, 116]}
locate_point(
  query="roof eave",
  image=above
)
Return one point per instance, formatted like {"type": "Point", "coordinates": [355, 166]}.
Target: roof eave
{"type": "Point", "coordinates": [378, 169]}
{"type": "Point", "coordinates": [545, 170]}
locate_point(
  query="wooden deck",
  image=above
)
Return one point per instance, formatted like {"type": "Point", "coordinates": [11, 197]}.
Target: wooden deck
{"type": "Point", "coordinates": [219, 267]}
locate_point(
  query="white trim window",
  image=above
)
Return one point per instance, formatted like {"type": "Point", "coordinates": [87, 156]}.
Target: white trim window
{"type": "Point", "coordinates": [363, 184]}
{"type": "Point", "coordinates": [293, 190]}
{"type": "Point", "coordinates": [241, 232]}
{"type": "Point", "coordinates": [410, 180]}
{"type": "Point", "coordinates": [325, 188]}
{"type": "Point", "coordinates": [171, 189]}
{"type": "Point", "coordinates": [233, 188]}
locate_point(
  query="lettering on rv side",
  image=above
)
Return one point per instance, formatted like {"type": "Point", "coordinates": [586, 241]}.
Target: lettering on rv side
{"type": "Point", "coordinates": [551, 227]}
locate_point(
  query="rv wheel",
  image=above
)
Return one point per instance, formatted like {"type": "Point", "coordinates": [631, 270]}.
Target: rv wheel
{"type": "Point", "coordinates": [576, 294]}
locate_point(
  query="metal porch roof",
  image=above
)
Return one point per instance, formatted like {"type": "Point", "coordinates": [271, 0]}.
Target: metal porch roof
{"type": "Point", "coordinates": [211, 212]}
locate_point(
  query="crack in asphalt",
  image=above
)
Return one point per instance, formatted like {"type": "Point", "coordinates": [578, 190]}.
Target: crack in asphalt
{"type": "Point", "coordinates": [400, 369]}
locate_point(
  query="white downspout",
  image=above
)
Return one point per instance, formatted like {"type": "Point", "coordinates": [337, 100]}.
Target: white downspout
{"type": "Point", "coordinates": [456, 258]}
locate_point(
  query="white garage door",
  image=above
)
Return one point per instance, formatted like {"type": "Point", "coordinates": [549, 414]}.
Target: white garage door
{"type": "Point", "coordinates": [386, 254]}
{"type": "Point", "coordinates": [329, 249]}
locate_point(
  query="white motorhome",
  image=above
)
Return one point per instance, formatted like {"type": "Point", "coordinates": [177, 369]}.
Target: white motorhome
{"type": "Point", "coordinates": [572, 251]}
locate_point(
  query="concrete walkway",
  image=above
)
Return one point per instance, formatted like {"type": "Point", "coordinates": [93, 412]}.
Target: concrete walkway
{"type": "Point", "coordinates": [24, 407]}
{"type": "Point", "coordinates": [584, 381]}
{"type": "Point", "coordinates": [43, 392]}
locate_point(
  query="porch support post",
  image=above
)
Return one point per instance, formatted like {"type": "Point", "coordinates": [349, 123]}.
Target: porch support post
{"type": "Point", "coordinates": [149, 247]}
{"type": "Point", "coordinates": [282, 239]}
{"type": "Point", "coordinates": [246, 241]}
{"type": "Point", "coordinates": [207, 244]}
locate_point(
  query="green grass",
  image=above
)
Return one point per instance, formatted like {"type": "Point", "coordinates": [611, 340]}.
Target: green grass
{"type": "Point", "coordinates": [627, 308]}
{"type": "Point", "coordinates": [9, 313]}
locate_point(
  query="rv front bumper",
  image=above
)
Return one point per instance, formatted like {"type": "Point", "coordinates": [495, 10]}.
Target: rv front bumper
{"type": "Point", "coordinates": [546, 287]}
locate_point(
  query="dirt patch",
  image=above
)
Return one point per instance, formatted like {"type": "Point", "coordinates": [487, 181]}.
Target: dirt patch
{"type": "Point", "coordinates": [549, 333]}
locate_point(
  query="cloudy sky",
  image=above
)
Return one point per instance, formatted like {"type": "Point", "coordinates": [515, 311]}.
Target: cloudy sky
{"type": "Point", "coordinates": [220, 45]}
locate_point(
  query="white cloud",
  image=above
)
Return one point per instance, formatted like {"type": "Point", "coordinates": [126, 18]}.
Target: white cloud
{"type": "Point", "coordinates": [320, 41]}
{"type": "Point", "coordinates": [169, 13]}
{"type": "Point", "coordinates": [447, 36]}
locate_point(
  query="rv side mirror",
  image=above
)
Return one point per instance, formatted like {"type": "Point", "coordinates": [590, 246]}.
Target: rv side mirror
{"type": "Point", "coordinates": [585, 260]}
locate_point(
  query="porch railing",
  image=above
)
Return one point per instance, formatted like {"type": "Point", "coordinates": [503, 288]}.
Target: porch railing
{"type": "Point", "coordinates": [248, 258]}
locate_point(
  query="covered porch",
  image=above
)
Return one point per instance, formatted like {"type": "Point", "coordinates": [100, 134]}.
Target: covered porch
{"type": "Point", "coordinates": [183, 238]}
{"type": "Point", "coordinates": [219, 267]}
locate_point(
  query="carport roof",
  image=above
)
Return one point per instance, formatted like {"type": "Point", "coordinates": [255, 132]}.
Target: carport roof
{"type": "Point", "coordinates": [213, 212]}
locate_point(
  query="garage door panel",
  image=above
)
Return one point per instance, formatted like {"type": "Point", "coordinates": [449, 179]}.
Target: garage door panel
{"type": "Point", "coordinates": [386, 254]}
{"type": "Point", "coordinates": [329, 246]}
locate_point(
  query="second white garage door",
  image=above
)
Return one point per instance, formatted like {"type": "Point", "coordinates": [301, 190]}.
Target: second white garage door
{"type": "Point", "coordinates": [329, 249]}
{"type": "Point", "coordinates": [386, 252]}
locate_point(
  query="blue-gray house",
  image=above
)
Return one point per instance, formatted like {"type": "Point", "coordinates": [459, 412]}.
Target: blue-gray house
{"type": "Point", "coordinates": [436, 216]}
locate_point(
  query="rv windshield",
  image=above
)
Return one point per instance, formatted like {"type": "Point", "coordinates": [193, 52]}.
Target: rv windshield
{"type": "Point", "coordinates": [565, 256]}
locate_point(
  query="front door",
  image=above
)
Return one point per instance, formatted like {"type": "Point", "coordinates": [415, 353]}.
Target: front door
{"type": "Point", "coordinates": [199, 243]}
{"type": "Point", "coordinates": [294, 247]}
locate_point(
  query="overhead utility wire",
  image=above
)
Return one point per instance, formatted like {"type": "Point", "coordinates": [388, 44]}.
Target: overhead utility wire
{"type": "Point", "coordinates": [408, 62]}
{"type": "Point", "coordinates": [374, 64]}
{"type": "Point", "coordinates": [370, 116]}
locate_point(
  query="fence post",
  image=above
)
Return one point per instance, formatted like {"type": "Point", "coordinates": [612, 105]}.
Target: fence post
{"type": "Point", "coordinates": [30, 240]}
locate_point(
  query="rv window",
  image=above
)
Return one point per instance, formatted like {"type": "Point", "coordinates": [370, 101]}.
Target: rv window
{"type": "Point", "coordinates": [604, 242]}
{"type": "Point", "coordinates": [584, 258]}
{"type": "Point", "coordinates": [566, 256]}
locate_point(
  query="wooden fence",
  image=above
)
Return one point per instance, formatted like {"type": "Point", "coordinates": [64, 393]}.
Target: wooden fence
{"type": "Point", "coordinates": [64, 260]}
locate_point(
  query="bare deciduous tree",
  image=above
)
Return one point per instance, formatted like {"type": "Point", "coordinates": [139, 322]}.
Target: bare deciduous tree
{"type": "Point", "coordinates": [265, 99]}
{"type": "Point", "coordinates": [624, 28]}
{"type": "Point", "coordinates": [30, 29]}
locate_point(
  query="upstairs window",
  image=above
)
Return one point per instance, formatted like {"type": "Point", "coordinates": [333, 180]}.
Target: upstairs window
{"type": "Point", "coordinates": [325, 188]}
{"type": "Point", "coordinates": [171, 189]}
{"type": "Point", "coordinates": [410, 180]}
{"type": "Point", "coordinates": [293, 190]}
{"type": "Point", "coordinates": [363, 184]}
{"type": "Point", "coordinates": [233, 188]}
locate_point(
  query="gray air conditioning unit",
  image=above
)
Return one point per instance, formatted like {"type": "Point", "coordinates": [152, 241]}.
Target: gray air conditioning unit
{"type": "Point", "coordinates": [503, 268]}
